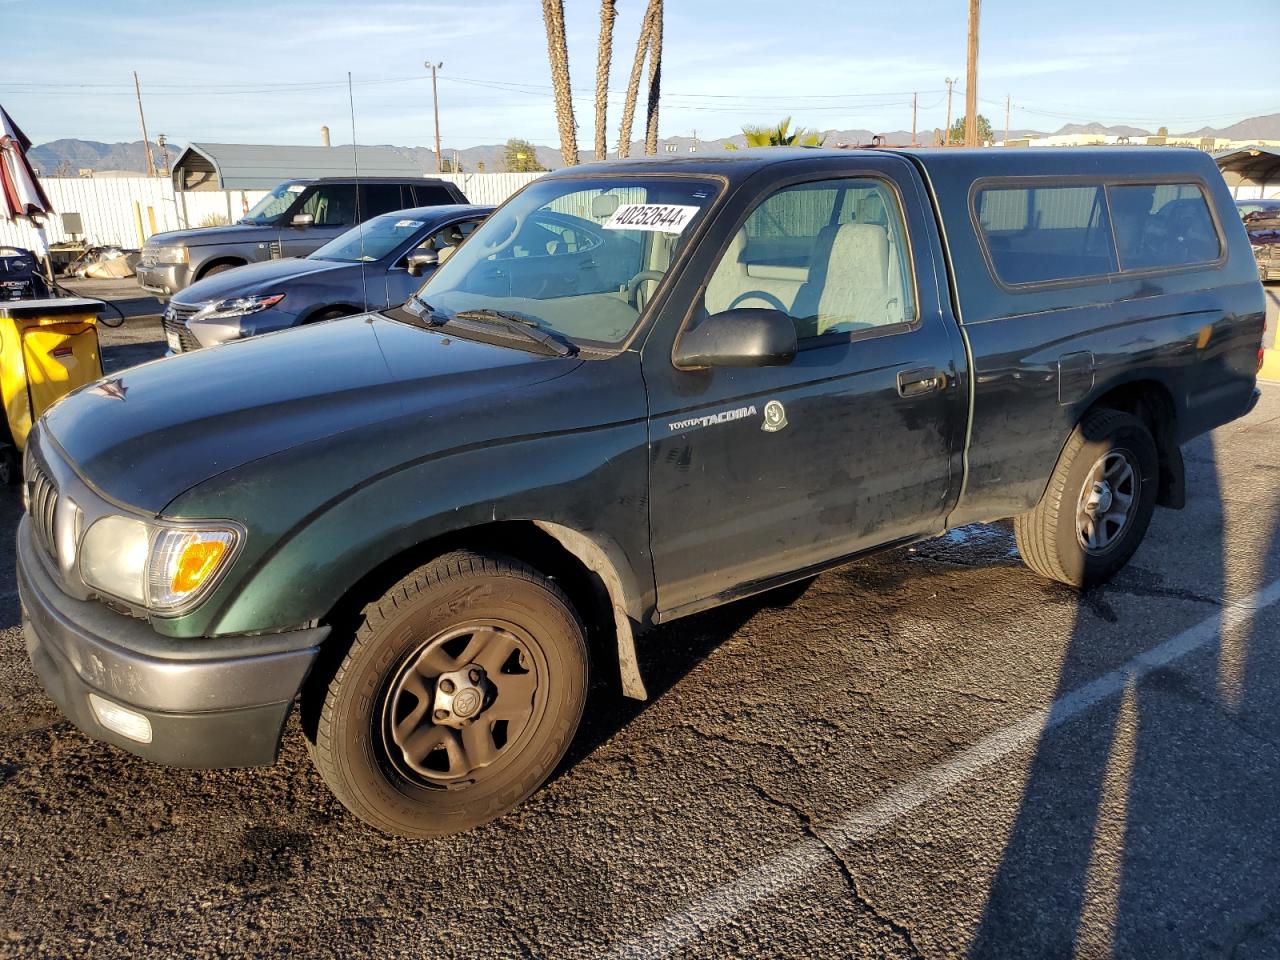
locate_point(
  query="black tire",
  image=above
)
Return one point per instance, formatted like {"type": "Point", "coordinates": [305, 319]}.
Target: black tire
{"type": "Point", "coordinates": [367, 723]}
{"type": "Point", "coordinates": [10, 466]}
{"type": "Point", "coordinates": [333, 313]}
{"type": "Point", "coordinates": [1052, 537]}
{"type": "Point", "coordinates": [219, 268]}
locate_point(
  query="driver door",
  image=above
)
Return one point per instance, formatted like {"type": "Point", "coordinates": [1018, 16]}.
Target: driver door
{"type": "Point", "coordinates": [333, 209]}
{"type": "Point", "coordinates": [761, 473]}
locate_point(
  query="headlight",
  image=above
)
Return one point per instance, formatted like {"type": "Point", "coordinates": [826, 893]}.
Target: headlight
{"type": "Point", "coordinates": [238, 307]}
{"type": "Point", "coordinates": [172, 255]}
{"type": "Point", "coordinates": [165, 568]}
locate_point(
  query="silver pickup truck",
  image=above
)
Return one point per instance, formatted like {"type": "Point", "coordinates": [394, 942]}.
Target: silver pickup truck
{"type": "Point", "coordinates": [293, 220]}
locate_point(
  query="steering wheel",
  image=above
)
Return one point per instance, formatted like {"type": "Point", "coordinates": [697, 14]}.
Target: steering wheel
{"type": "Point", "coordinates": [633, 285]}
{"type": "Point", "coordinates": [493, 246]}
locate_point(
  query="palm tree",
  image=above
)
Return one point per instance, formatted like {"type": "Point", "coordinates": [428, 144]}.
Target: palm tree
{"type": "Point", "coordinates": [780, 135]}
{"type": "Point", "coordinates": [655, 80]}
{"type": "Point", "coordinates": [604, 59]}
{"type": "Point", "coordinates": [558, 55]}
{"type": "Point", "coordinates": [633, 83]}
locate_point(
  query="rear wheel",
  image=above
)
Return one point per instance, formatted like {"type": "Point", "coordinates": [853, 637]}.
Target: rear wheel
{"type": "Point", "coordinates": [461, 692]}
{"type": "Point", "coordinates": [1098, 504]}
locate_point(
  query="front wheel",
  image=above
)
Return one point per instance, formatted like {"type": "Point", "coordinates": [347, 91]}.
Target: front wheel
{"type": "Point", "coordinates": [461, 692]}
{"type": "Point", "coordinates": [1098, 503]}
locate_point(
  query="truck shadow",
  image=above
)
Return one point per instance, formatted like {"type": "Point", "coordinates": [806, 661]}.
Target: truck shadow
{"type": "Point", "coordinates": [1146, 825]}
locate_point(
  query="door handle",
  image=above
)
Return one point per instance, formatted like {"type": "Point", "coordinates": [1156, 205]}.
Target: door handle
{"type": "Point", "coordinates": [919, 381]}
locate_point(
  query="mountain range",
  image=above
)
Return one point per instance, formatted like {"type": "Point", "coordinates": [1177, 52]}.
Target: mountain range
{"type": "Point", "coordinates": [67, 157]}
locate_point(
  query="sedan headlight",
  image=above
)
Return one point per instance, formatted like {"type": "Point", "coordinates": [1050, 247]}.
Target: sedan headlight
{"type": "Point", "coordinates": [172, 255]}
{"type": "Point", "coordinates": [238, 307]}
{"type": "Point", "coordinates": [166, 568]}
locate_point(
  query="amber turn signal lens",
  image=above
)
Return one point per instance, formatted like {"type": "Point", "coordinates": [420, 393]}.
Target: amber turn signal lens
{"type": "Point", "coordinates": [195, 563]}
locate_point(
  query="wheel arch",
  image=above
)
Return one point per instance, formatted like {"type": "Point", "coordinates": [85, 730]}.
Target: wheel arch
{"type": "Point", "coordinates": [1152, 402]}
{"type": "Point", "coordinates": [219, 261]}
{"type": "Point", "coordinates": [594, 575]}
{"type": "Point", "coordinates": [311, 316]}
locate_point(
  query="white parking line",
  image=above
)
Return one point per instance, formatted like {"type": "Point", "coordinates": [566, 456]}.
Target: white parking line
{"type": "Point", "coordinates": [799, 861]}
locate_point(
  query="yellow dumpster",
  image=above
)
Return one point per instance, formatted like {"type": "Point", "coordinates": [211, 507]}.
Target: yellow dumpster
{"type": "Point", "coordinates": [47, 349]}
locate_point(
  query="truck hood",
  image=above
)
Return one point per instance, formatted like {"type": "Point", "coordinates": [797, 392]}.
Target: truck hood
{"type": "Point", "coordinates": [203, 236]}
{"type": "Point", "coordinates": [146, 435]}
{"type": "Point", "coordinates": [256, 278]}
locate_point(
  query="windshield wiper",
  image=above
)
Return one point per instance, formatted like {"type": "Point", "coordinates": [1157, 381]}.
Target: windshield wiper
{"type": "Point", "coordinates": [425, 311]}
{"type": "Point", "coordinates": [523, 326]}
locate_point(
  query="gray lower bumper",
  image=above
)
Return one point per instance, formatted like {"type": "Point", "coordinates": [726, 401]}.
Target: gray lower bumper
{"type": "Point", "coordinates": [164, 279]}
{"type": "Point", "coordinates": [219, 702]}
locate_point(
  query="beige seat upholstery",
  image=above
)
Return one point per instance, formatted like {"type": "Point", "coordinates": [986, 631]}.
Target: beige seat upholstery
{"type": "Point", "coordinates": [856, 289]}
{"type": "Point", "coordinates": [733, 286]}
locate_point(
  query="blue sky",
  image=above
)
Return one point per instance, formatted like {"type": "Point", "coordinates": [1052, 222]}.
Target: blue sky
{"type": "Point", "coordinates": [274, 72]}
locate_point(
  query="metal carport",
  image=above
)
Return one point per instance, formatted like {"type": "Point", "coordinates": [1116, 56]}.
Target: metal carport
{"type": "Point", "coordinates": [1251, 166]}
{"type": "Point", "coordinates": [249, 166]}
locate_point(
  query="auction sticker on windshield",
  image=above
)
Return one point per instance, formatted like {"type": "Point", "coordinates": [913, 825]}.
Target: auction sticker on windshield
{"type": "Point", "coordinates": [654, 217]}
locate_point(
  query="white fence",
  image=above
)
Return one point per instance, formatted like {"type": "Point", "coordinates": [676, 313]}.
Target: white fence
{"type": "Point", "coordinates": [109, 216]}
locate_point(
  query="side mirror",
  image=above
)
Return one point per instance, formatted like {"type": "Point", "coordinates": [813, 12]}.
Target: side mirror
{"type": "Point", "coordinates": [302, 220]}
{"type": "Point", "coordinates": [749, 337]}
{"type": "Point", "coordinates": [418, 261]}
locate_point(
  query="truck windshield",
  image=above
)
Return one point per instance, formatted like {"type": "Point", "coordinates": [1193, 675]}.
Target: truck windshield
{"type": "Point", "coordinates": [269, 208]}
{"type": "Point", "coordinates": [579, 258]}
{"type": "Point", "coordinates": [370, 241]}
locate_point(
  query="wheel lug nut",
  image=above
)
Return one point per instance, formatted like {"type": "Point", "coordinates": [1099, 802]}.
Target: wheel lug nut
{"type": "Point", "coordinates": [442, 714]}
{"type": "Point", "coordinates": [475, 676]}
{"type": "Point", "coordinates": [446, 686]}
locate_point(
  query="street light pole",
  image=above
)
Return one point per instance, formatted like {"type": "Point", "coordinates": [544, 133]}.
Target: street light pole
{"type": "Point", "coordinates": [435, 104]}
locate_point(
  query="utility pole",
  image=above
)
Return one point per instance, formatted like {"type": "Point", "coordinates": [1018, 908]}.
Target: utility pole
{"type": "Point", "coordinates": [162, 143]}
{"type": "Point", "coordinates": [915, 103]}
{"type": "Point", "coordinates": [946, 137]}
{"type": "Point", "coordinates": [1008, 105]}
{"type": "Point", "coordinates": [151, 163]}
{"type": "Point", "coordinates": [971, 79]}
{"type": "Point", "coordinates": [435, 105]}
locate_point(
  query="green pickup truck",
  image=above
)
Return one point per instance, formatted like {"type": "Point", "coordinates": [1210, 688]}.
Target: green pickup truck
{"type": "Point", "coordinates": [640, 389]}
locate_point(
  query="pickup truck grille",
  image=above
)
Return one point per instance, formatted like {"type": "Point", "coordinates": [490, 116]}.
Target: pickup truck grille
{"type": "Point", "coordinates": [175, 321]}
{"type": "Point", "coordinates": [42, 504]}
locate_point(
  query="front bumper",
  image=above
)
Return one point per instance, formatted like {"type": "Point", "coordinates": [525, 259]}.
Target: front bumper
{"type": "Point", "coordinates": [164, 279]}
{"type": "Point", "coordinates": [219, 702]}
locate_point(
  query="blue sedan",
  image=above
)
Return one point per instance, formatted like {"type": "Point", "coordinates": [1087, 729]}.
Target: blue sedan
{"type": "Point", "coordinates": [375, 265]}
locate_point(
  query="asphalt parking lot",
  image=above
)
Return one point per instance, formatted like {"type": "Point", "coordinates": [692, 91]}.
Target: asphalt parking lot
{"type": "Point", "coordinates": [931, 753]}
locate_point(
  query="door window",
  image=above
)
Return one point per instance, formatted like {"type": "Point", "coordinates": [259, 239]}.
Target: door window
{"type": "Point", "coordinates": [432, 196]}
{"type": "Point", "coordinates": [832, 255]}
{"type": "Point", "coordinates": [448, 238]}
{"type": "Point", "coordinates": [332, 205]}
{"type": "Point", "coordinates": [379, 198]}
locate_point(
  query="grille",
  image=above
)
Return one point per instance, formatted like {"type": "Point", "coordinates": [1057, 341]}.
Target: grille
{"type": "Point", "coordinates": [175, 321]}
{"type": "Point", "coordinates": [43, 503]}
{"type": "Point", "coordinates": [274, 248]}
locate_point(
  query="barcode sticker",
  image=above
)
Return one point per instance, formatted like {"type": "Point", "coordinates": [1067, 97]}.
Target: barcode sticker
{"type": "Point", "coordinates": [654, 217]}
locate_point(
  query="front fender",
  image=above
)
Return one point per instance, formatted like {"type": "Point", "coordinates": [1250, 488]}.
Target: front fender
{"type": "Point", "coordinates": [590, 481]}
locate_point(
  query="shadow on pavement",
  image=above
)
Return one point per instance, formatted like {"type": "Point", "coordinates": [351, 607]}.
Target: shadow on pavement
{"type": "Point", "coordinates": [1138, 833]}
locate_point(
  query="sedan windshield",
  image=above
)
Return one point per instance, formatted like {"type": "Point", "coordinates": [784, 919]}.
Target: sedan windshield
{"type": "Point", "coordinates": [579, 258]}
{"type": "Point", "coordinates": [274, 204]}
{"type": "Point", "coordinates": [371, 240]}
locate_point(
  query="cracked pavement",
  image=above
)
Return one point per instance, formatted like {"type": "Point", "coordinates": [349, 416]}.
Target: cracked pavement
{"type": "Point", "coordinates": [1142, 826]}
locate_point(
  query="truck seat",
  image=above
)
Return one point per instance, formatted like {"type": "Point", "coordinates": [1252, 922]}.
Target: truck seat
{"type": "Point", "coordinates": [856, 282]}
